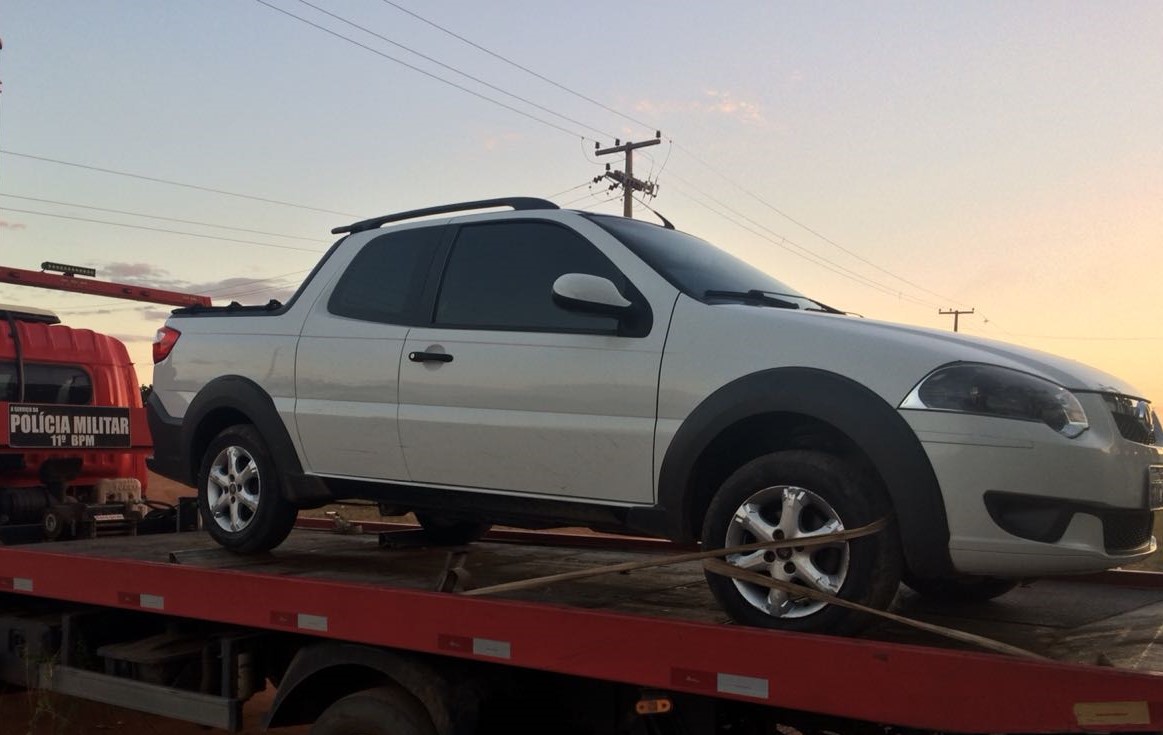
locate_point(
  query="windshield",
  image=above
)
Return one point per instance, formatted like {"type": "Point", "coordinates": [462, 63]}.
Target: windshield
{"type": "Point", "coordinates": [693, 265]}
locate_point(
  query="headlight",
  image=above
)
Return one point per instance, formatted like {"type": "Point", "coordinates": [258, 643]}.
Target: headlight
{"type": "Point", "coordinates": [997, 391]}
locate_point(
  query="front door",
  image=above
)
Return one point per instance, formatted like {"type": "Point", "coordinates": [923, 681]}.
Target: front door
{"type": "Point", "coordinates": [507, 391]}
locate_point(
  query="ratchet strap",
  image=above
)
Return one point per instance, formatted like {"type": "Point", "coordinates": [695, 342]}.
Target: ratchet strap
{"type": "Point", "coordinates": [712, 560]}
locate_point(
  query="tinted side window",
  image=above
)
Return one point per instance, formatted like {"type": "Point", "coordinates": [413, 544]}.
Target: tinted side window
{"type": "Point", "coordinates": [383, 282]}
{"type": "Point", "coordinates": [46, 384]}
{"type": "Point", "coordinates": [501, 276]}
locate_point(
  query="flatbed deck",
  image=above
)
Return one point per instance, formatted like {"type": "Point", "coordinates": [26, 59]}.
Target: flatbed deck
{"type": "Point", "coordinates": [656, 628]}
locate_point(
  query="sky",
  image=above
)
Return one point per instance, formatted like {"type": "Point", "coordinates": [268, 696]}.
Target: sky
{"type": "Point", "coordinates": [892, 159]}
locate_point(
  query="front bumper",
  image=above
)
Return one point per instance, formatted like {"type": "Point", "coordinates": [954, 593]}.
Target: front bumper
{"type": "Point", "coordinates": [1023, 500]}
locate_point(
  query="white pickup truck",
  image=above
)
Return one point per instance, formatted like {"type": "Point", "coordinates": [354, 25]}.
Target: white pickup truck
{"type": "Point", "coordinates": [541, 367]}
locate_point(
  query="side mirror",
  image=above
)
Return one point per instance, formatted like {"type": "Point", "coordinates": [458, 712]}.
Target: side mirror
{"type": "Point", "coordinates": [590, 294]}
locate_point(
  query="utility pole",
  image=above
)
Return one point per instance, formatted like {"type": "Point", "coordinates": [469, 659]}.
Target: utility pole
{"type": "Point", "coordinates": [956, 315]}
{"type": "Point", "coordinates": [626, 179]}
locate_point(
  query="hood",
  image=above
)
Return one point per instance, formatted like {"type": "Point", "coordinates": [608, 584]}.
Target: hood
{"type": "Point", "coordinates": [1068, 373]}
{"type": "Point", "coordinates": [811, 337]}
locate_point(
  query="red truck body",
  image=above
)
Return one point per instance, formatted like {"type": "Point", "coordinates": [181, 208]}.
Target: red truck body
{"type": "Point", "coordinates": [72, 427]}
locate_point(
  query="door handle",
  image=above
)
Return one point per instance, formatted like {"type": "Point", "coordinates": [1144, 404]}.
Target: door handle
{"type": "Point", "coordinates": [429, 357]}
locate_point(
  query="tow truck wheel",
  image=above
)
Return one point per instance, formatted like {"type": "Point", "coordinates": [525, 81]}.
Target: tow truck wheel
{"type": "Point", "coordinates": [799, 494]}
{"type": "Point", "coordinates": [239, 497]}
{"type": "Point", "coordinates": [54, 525]}
{"type": "Point", "coordinates": [380, 711]}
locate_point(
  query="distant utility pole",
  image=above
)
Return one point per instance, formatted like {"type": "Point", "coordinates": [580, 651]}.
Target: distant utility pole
{"type": "Point", "coordinates": [626, 179]}
{"type": "Point", "coordinates": [956, 315]}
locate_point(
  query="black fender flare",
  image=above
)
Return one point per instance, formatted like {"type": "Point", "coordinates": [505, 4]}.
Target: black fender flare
{"type": "Point", "coordinates": [872, 424]}
{"type": "Point", "coordinates": [242, 396]}
{"type": "Point", "coordinates": [293, 704]}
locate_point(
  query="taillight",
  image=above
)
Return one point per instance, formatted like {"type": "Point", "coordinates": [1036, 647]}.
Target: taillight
{"type": "Point", "coordinates": [163, 343]}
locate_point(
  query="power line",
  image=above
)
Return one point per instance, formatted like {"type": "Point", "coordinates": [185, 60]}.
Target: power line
{"type": "Point", "coordinates": [783, 243]}
{"type": "Point", "coordinates": [669, 149]}
{"type": "Point", "coordinates": [589, 195]}
{"type": "Point", "coordinates": [527, 70]}
{"type": "Point", "coordinates": [799, 250]}
{"type": "Point", "coordinates": [154, 216]}
{"type": "Point", "coordinates": [481, 96]}
{"type": "Point", "coordinates": [1088, 338]}
{"type": "Point", "coordinates": [453, 69]}
{"type": "Point", "coordinates": [813, 231]}
{"type": "Point", "coordinates": [159, 229]}
{"type": "Point", "coordinates": [653, 176]}
{"type": "Point", "coordinates": [572, 188]}
{"type": "Point", "coordinates": [415, 68]}
{"type": "Point", "coordinates": [512, 63]}
{"type": "Point", "coordinates": [253, 281]}
{"type": "Point", "coordinates": [170, 182]}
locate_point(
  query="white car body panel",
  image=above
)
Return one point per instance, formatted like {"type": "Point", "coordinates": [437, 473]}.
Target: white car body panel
{"type": "Point", "coordinates": [569, 415]}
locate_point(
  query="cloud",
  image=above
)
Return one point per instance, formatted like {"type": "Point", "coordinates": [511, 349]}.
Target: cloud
{"type": "Point", "coordinates": [156, 315]}
{"type": "Point", "coordinates": [140, 274]}
{"type": "Point", "coordinates": [724, 103]}
{"type": "Point", "coordinates": [243, 290]}
{"type": "Point", "coordinates": [12, 225]}
{"type": "Point", "coordinates": [504, 140]}
{"type": "Point", "coordinates": [713, 102]}
{"type": "Point", "coordinates": [133, 270]}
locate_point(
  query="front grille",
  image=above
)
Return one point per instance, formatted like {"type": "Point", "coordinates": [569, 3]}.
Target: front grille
{"type": "Point", "coordinates": [1133, 417]}
{"type": "Point", "coordinates": [1126, 530]}
{"type": "Point", "coordinates": [1132, 429]}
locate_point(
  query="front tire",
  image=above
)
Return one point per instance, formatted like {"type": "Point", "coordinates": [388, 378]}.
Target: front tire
{"type": "Point", "coordinates": [799, 494]}
{"type": "Point", "coordinates": [239, 494]}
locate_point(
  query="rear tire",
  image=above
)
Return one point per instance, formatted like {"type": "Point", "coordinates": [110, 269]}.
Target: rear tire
{"type": "Point", "coordinates": [444, 531]}
{"type": "Point", "coordinates": [239, 494]}
{"type": "Point", "coordinates": [385, 710]}
{"type": "Point", "coordinates": [800, 493]}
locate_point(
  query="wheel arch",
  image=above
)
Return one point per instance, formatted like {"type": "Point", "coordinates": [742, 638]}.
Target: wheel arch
{"type": "Point", "coordinates": [805, 408]}
{"type": "Point", "coordinates": [227, 401]}
{"type": "Point", "coordinates": [322, 673]}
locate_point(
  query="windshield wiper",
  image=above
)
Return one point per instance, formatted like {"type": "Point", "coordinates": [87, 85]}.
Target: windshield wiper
{"type": "Point", "coordinates": [754, 296]}
{"type": "Point", "coordinates": [769, 298]}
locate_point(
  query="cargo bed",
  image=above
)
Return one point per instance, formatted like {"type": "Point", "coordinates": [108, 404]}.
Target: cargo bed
{"type": "Point", "coordinates": [656, 628]}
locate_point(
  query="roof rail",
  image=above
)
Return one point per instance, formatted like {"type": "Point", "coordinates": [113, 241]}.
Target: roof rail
{"type": "Point", "coordinates": [516, 203]}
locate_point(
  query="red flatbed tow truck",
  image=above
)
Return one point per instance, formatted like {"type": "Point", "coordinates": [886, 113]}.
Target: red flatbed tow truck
{"type": "Point", "coordinates": [174, 625]}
